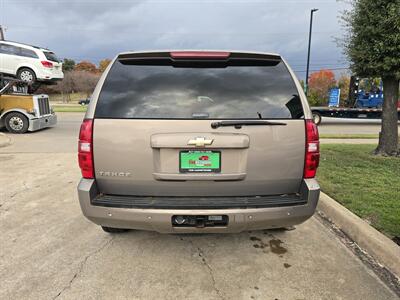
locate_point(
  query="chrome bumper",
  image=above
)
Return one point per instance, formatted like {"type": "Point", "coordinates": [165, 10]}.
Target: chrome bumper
{"type": "Point", "coordinates": [160, 219]}
{"type": "Point", "coordinates": [42, 122]}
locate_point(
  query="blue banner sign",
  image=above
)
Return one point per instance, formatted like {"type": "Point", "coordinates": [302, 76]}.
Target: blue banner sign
{"type": "Point", "coordinates": [334, 97]}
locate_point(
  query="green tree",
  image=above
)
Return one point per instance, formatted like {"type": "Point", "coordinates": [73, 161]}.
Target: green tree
{"type": "Point", "coordinates": [372, 45]}
{"type": "Point", "coordinates": [302, 83]}
{"type": "Point", "coordinates": [343, 84]}
{"type": "Point", "coordinates": [367, 84]}
{"type": "Point", "coordinates": [68, 64]}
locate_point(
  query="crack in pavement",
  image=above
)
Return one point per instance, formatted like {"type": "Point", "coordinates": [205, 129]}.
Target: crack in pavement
{"type": "Point", "coordinates": [200, 253]}
{"type": "Point", "coordinates": [210, 270]}
{"type": "Point", "coordinates": [24, 189]}
{"type": "Point", "coordinates": [81, 266]}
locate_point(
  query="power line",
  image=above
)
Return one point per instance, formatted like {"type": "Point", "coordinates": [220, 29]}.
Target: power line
{"type": "Point", "coordinates": [316, 70]}
{"type": "Point", "coordinates": [320, 65]}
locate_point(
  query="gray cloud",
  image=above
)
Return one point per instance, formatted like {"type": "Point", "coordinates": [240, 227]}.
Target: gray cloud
{"type": "Point", "coordinates": [90, 29]}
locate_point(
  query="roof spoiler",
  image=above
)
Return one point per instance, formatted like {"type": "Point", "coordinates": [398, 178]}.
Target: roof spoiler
{"type": "Point", "coordinates": [199, 55]}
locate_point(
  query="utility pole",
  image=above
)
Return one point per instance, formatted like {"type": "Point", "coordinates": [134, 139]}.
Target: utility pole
{"type": "Point", "coordinates": [2, 38]}
{"type": "Point", "coordinates": [309, 48]}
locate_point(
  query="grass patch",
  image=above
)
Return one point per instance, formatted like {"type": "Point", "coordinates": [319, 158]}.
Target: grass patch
{"type": "Point", "coordinates": [74, 97]}
{"type": "Point", "coordinates": [61, 108]}
{"type": "Point", "coordinates": [368, 185]}
{"type": "Point", "coordinates": [348, 136]}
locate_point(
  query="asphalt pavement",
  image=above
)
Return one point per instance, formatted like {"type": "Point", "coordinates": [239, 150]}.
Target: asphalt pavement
{"type": "Point", "coordinates": [50, 251]}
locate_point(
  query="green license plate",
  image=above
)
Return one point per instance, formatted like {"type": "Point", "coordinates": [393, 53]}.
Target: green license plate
{"type": "Point", "coordinates": [199, 161]}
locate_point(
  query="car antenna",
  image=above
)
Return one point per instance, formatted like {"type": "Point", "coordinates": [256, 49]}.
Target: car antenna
{"type": "Point", "coordinates": [259, 115]}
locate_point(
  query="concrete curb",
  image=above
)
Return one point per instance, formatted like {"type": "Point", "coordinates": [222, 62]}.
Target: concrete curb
{"type": "Point", "coordinates": [380, 247]}
{"type": "Point", "coordinates": [4, 140]}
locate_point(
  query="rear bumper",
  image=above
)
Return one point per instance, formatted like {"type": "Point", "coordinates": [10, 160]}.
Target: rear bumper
{"type": "Point", "coordinates": [49, 75]}
{"type": "Point", "coordinates": [240, 219]}
{"type": "Point", "coordinates": [42, 122]}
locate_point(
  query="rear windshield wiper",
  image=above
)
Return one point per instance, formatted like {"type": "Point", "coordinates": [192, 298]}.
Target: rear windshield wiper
{"type": "Point", "coordinates": [239, 124]}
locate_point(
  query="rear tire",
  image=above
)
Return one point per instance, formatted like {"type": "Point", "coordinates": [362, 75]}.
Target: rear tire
{"type": "Point", "coordinates": [27, 75]}
{"type": "Point", "coordinates": [16, 123]}
{"type": "Point", "coordinates": [113, 230]}
{"type": "Point", "coordinates": [317, 118]}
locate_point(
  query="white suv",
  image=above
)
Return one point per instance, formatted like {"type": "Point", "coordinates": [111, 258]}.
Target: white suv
{"type": "Point", "coordinates": [29, 63]}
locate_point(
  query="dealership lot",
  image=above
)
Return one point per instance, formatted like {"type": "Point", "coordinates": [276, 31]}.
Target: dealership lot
{"type": "Point", "coordinates": [49, 250]}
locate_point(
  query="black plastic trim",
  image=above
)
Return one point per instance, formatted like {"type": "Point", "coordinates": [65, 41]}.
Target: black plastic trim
{"type": "Point", "coordinates": [146, 202]}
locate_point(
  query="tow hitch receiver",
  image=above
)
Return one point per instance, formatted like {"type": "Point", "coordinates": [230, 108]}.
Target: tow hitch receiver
{"type": "Point", "coordinates": [200, 221]}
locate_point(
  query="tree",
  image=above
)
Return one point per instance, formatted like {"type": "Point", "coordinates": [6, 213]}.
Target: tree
{"type": "Point", "coordinates": [86, 66]}
{"type": "Point", "coordinates": [319, 85]}
{"type": "Point", "coordinates": [76, 81]}
{"type": "Point", "coordinates": [68, 65]}
{"type": "Point", "coordinates": [372, 45]}
{"type": "Point", "coordinates": [104, 64]}
{"type": "Point", "coordinates": [302, 83]}
{"type": "Point", "coordinates": [85, 81]}
{"type": "Point", "coordinates": [65, 86]}
{"type": "Point", "coordinates": [343, 84]}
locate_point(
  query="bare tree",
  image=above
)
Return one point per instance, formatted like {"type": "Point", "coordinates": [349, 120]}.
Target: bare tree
{"type": "Point", "coordinates": [65, 86]}
{"type": "Point", "coordinates": [85, 81]}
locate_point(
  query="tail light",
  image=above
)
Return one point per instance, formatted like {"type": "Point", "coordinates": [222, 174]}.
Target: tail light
{"type": "Point", "coordinates": [47, 64]}
{"type": "Point", "coordinates": [85, 149]}
{"type": "Point", "coordinates": [311, 161]}
{"type": "Point", "coordinates": [199, 54]}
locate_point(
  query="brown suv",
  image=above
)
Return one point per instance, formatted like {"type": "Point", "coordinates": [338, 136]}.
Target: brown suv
{"type": "Point", "coordinates": [198, 141]}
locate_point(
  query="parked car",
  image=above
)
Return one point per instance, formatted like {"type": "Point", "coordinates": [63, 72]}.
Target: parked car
{"type": "Point", "coordinates": [29, 63]}
{"type": "Point", "coordinates": [84, 101]}
{"type": "Point", "coordinates": [154, 118]}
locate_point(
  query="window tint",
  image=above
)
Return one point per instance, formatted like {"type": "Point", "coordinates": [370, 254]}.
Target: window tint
{"type": "Point", "coordinates": [168, 92]}
{"type": "Point", "coordinates": [28, 53]}
{"type": "Point", "coordinates": [8, 49]}
{"type": "Point", "coordinates": [51, 56]}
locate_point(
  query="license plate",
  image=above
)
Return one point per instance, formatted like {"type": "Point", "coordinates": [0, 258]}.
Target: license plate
{"type": "Point", "coordinates": [199, 161]}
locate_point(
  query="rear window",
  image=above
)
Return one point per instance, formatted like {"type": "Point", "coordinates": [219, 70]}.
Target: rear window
{"type": "Point", "coordinates": [51, 56]}
{"type": "Point", "coordinates": [136, 91]}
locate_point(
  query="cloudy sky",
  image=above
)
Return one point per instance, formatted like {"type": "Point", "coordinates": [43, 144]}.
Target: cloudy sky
{"type": "Point", "coordinates": [97, 29]}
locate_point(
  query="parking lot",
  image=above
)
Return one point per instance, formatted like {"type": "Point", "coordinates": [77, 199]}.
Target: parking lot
{"type": "Point", "coordinates": [49, 250]}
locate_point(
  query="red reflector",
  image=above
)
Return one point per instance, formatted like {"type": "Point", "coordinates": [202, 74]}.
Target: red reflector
{"type": "Point", "coordinates": [85, 149]}
{"type": "Point", "coordinates": [47, 64]}
{"type": "Point", "coordinates": [311, 160]}
{"type": "Point", "coordinates": [200, 54]}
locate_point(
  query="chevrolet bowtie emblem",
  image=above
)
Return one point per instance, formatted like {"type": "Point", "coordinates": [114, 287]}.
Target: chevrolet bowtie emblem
{"type": "Point", "coordinates": [200, 142]}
